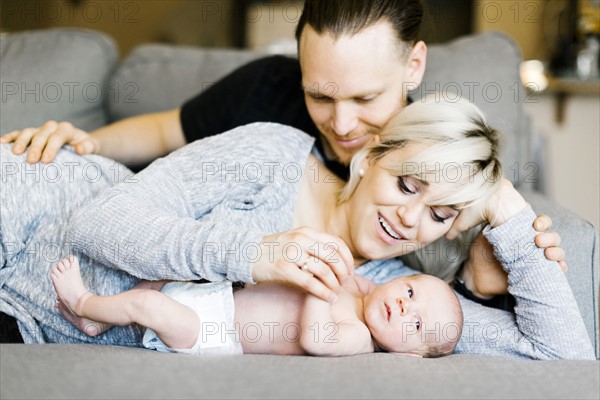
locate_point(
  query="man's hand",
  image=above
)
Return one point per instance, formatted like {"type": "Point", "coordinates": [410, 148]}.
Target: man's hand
{"type": "Point", "coordinates": [45, 142]}
{"type": "Point", "coordinates": [483, 274]}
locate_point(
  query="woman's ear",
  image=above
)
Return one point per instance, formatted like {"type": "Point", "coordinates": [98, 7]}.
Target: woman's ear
{"type": "Point", "coordinates": [363, 166]}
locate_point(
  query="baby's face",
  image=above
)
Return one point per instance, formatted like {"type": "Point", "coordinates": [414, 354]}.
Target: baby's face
{"type": "Point", "coordinates": [405, 314]}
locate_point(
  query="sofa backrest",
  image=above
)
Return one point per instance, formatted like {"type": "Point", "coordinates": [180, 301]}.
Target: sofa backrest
{"type": "Point", "coordinates": [73, 75]}
{"type": "Point", "coordinates": [58, 74]}
{"type": "Point", "coordinates": [483, 68]}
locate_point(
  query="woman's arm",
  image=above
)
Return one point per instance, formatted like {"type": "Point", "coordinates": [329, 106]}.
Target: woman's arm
{"type": "Point", "coordinates": [546, 323]}
{"type": "Point", "coordinates": [194, 214]}
{"type": "Point", "coordinates": [157, 224]}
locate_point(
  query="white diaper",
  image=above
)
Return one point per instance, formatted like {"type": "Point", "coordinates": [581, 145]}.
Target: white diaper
{"type": "Point", "coordinates": [213, 302]}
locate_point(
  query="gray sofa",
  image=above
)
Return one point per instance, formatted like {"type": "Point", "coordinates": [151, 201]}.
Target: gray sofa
{"type": "Point", "coordinates": [75, 75]}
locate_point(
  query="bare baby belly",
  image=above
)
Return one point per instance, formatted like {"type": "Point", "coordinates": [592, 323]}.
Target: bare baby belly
{"type": "Point", "coordinates": [267, 317]}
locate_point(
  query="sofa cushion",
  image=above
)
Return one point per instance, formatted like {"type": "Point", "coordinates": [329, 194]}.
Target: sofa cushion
{"type": "Point", "coordinates": [108, 372]}
{"type": "Point", "coordinates": [57, 74]}
{"type": "Point", "coordinates": [484, 69]}
{"type": "Point", "coordinates": [162, 77]}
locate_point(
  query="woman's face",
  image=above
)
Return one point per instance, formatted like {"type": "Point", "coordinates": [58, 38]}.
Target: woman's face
{"type": "Point", "coordinates": [390, 215]}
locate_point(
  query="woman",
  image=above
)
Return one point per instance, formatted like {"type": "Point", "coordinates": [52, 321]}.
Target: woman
{"type": "Point", "coordinates": [204, 211]}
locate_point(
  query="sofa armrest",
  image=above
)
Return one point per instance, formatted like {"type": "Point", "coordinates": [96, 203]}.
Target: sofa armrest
{"type": "Point", "coordinates": [579, 239]}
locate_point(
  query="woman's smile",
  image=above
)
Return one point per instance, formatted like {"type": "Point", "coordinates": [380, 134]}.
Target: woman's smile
{"type": "Point", "coordinates": [387, 232]}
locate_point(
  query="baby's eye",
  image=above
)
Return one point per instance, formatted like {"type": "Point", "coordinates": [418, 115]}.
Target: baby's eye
{"type": "Point", "coordinates": [410, 293]}
{"type": "Point", "coordinates": [418, 324]}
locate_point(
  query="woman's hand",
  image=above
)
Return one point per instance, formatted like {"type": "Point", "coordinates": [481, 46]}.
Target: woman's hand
{"type": "Point", "coordinates": [45, 142]}
{"type": "Point", "coordinates": [305, 257]}
{"type": "Point", "coordinates": [495, 209]}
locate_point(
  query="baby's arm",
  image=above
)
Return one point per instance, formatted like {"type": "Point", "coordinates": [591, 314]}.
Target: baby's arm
{"type": "Point", "coordinates": [333, 329]}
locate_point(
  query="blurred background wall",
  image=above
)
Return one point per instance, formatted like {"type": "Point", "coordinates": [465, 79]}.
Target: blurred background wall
{"type": "Point", "coordinates": [562, 36]}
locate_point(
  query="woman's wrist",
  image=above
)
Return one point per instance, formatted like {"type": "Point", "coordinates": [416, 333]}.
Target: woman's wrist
{"type": "Point", "coordinates": [505, 203]}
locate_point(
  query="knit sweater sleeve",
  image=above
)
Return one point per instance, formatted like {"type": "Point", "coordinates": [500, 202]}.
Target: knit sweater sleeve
{"type": "Point", "coordinates": [161, 223]}
{"type": "Point", "coordinates": [546, 323]}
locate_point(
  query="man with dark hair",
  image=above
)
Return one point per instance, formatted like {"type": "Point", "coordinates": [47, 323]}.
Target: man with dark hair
{"type": "Point", "coordinates": [356, 60]}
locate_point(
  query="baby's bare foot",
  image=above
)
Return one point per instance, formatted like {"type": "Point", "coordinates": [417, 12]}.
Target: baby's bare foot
{"type": "Point", "coordinates": [68, 284]}
{"type": "Point", "coordinates": [85, 325]}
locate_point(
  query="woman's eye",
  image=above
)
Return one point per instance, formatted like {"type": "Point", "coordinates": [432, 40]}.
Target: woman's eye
{"type": "Point", "coordinates": [438, 218]}
{"type": "Point", "coordinates": [403, 187]}
{"type": "Point", "coordinates": [410, 293]}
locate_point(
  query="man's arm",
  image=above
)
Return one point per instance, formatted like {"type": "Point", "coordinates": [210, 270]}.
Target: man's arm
{"type": "Point", "coordinates": [133, 141]}
{"type": "Point", "coordinates": [140, 139]}
{"type": "Point", "coordinates": [230, 102]}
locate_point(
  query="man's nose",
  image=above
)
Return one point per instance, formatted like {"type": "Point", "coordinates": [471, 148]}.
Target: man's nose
{"type": "Point", "coordinates": [344, 119]}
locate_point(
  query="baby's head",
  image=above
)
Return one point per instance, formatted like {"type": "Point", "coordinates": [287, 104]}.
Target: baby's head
{"type": "Point", "coordinates": [418, 315]}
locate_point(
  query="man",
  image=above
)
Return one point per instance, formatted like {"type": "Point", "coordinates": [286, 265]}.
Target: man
{"type": "Point", "coordinates": [356, 60]}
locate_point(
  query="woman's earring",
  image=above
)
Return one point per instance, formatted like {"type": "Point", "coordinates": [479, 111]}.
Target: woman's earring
{"type": "Point", "coordinates": [361, 172]}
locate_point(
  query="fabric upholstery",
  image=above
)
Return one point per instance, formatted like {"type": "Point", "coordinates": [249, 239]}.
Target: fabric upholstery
{"type": "Point", "coordinates": [57, 74]}
{"type": "Point", "coordinates": [108, 372]}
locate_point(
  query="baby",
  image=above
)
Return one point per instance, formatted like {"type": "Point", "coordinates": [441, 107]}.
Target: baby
{"type": "Point", "coordinates": [418, 315]}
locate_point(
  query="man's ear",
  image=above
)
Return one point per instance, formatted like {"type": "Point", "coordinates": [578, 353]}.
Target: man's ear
{"type": "Point", "coordinates": [417, 61]}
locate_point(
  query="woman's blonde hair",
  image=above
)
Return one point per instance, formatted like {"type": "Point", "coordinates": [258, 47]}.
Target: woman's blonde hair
{"type": "Point", "coordinates": [460, 150]}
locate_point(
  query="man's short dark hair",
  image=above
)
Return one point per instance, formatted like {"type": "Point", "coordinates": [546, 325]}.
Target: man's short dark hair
{"type": "Point", "coordinates": [348, 17]}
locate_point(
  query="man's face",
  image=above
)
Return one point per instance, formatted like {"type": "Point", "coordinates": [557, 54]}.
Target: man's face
{"type": "Point", "coordinates": [355, 84]}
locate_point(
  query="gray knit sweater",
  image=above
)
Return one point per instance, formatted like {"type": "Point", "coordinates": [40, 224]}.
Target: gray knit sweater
{"type": "Point", "coordinates": [200, 213]}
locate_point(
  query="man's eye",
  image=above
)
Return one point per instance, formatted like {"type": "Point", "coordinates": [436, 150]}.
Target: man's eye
{"type": "Point", "coordinates": [321, 99]}
{"type": "Point", "coordinates": [403, 187]}
{"type": "Point", "coordinates": [410, 293]}
{"type": "Point", "coordinates": [365, 99]}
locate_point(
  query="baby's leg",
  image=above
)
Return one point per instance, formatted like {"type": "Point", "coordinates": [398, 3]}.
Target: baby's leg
{"type": "Point", "coordinates": [86, 325]}
{"type": "Point", "coordinates": [175, 324]}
